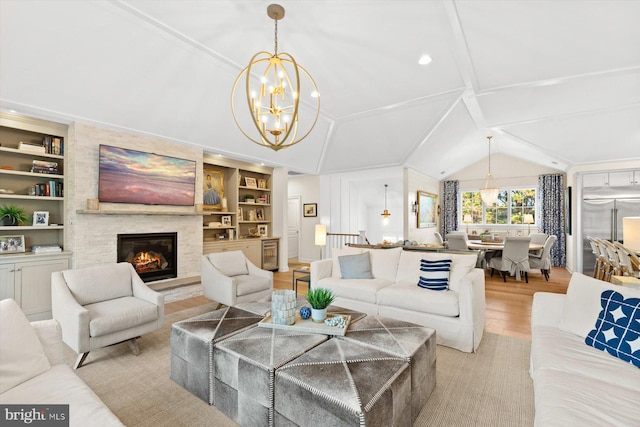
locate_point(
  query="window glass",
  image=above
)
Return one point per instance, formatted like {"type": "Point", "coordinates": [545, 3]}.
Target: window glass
{"type": "Point", "coordinates": [511, 207]}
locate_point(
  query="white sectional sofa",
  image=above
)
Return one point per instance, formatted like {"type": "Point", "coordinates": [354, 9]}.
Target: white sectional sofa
{"type": "Point", "coordinates": [576, 384]}
{"type": "Point", "coordinates": [457, 314]}
{"type": "Point", "coordinates": [32, 370]}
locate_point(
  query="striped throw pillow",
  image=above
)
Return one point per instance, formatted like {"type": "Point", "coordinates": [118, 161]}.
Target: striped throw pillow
{"type": "Point", "coordinates": [434, 274]}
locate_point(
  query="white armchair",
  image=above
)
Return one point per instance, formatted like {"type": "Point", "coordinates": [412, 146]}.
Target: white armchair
{"type": "Point", "coordinates": [104, 305]}
{"type": "Point", "coordinates": [230, 278]}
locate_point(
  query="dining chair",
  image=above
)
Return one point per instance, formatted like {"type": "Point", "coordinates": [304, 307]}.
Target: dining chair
{"type": "Point", "coordinates": [457, 242]}
{"type": "Point", "coordinates": [514, 259]}
{"type": "Point", "coordinates": [439, 239]}
{"type": "Point", "coordinates": [594, 250]}
{"type": "Point", "coordinates": [543, 260]}
{"type": "Point", "coordinates": [628, 260]}
{"type": "Point", "coordinates": [538, 238]}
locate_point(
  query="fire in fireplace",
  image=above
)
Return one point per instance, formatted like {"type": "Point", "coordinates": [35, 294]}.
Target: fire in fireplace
{"type": "Point", "coordinates": [153, 255]}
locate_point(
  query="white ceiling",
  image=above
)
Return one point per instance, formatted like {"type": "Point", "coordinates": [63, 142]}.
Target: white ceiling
{"type": "Point", "coordinates": [557, 82]}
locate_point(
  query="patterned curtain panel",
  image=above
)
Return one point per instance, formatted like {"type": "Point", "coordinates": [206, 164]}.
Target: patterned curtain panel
{"type": "Point", "coordinates": [551, 203]}
{"type": "Point", "coordinates": [449, 217]}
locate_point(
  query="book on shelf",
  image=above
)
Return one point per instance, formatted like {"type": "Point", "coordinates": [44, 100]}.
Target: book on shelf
{"type": "Point", "coordinates": [40, 166]}
{"type": "Point", "coordinates": [45, 248]}
{"type": "Point", "coordinates": [30, 146]}
{"type": "Point", "coordinates": [53, 144]}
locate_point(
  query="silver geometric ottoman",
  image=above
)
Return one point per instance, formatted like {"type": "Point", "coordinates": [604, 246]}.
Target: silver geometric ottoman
{"type": "Point", "coordinates": [192, 343]}
{"type": "Point", "coordinates": [343, 383]}
{"type": "Point", "coordinates": [416, 344]}
{"type": "Point", "coordinates": [244, 367]}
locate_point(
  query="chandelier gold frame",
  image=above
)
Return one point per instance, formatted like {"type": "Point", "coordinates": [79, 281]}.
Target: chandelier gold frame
{"type": "Point", "coordinates": [274, 103]}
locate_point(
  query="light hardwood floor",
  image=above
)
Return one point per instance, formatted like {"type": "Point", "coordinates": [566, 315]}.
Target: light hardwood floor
{"type": "Point", "coordinates": [508, 304]}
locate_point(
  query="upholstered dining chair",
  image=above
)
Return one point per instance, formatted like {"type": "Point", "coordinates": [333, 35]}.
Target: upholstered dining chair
{"type": "Point", "coordinates": [439, 239]}
{"type": "Point", "coordinates": [542, 261]}
{"type": "Point", "coordinates": [104, 305]}
{"type": "Point", "coordinates": [230, 278]}
{"type": "Point", "coordinates": [457, 241]}
{"type": "Point", "coordinates": [514, 259]}
{"type": "Point", "coordinates": [538, 238]}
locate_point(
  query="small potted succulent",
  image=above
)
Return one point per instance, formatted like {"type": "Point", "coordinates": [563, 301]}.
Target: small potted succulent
{"type": "Point", "coordinates": [319, 299]}
{"type": "Point", "coordinates": [12, 215]}
{"type": "Point", "coordinates": [250, 198]}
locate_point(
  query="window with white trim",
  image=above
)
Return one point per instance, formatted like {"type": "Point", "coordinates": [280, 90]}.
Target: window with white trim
{"type": "Point", "coordinates": [510, 209]}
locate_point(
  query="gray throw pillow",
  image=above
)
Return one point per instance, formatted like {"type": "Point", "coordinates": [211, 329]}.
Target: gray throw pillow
{"type": "Point", "coordinates": [355, 266]}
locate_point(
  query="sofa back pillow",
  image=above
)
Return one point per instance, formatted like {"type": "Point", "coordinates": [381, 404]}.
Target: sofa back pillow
{"type": "Point", "coordinates": [99, 283]}
{"type": "Point", "coordinates": [409, 266]}
{"type": "Point", "coordinates": [338, 252]}
{"type": "Point", "coordinates": [434, 274]}
{"type": "Point", "coordinates": [617, 329]}
{"type": "Point", "coordinates": [21, 353]}
{"type": "Point", "coordinates": [582, 305]}
{"type": "Point", "coordinates": [384, 263]}
{"type": "Point", "coordinates": [355, 266]}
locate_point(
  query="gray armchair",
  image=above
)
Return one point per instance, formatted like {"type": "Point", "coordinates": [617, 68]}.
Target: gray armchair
{"type": "Point", "coordinates": [104, 305]}
{"type": "Point", "coordinates": [230, 278]}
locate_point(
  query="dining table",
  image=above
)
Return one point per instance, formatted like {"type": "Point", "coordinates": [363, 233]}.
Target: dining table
{"type": "Point", "coordinates": [498, 246]}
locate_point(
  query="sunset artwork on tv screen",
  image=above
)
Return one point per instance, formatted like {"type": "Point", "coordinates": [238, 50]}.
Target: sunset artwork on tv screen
{"type": "Point", "coordinates": [130, 176]}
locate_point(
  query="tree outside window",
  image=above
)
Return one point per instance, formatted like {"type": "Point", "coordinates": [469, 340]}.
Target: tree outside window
{"type": "Point", "coordinates": [510, 208]}
{"type": "Point", "coordinates": [472, 205]}
{"type": "Point", "coordinates": [522, 202]}
{"type": "Point", "coordinates": [498, 213]}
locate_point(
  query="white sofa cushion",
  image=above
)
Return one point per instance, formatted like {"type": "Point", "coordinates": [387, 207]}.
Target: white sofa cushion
{"type": "Point", "coordinates": [356, 289]}
{"type": "Point", "coordinates": [99, 283]}
{"type": "Point", "coordinates": [119, 314]}
{"type": "Point", "coordinates": [21, 353]}
{"type": "Point", "coordinates": [338, 252]}
{"type": "Point", "coordinates": [355, 266]}
{"type": "Point", "coordinates": [384, 263]}
{"type": "Point", "coordinates": [60, 385]}
{"type": "Point", "coordinates": [409, 296]}
{"type": "Point", "coordinates": [434, 275]}
{"type": "Point", "coordinates": [229, 263]}
{"type": "Point", "coordinates": [409, 266]}
{"type": "Point", "coordinates": [568, 399]}
{"type": "Point", "coordinates": [552, 348]}
{"type": "Point", "coordinates": [582, 306]}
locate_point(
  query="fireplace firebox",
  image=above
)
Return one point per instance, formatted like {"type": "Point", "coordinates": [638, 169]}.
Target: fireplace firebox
{"type": "Point", "coordinates": [153, 255]}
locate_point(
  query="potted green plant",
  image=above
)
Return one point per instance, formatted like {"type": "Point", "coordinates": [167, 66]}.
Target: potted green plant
{"type": "Point", "coordinates": [12, 215]}
{"type": "Point", "coordinates": [250, 198]}
{"type": "Point", "coordinates": [319, 299]}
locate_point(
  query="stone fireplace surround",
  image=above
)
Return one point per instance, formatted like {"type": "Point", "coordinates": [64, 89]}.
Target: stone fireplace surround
{"type": "Point", "coordinates": [93, 236]}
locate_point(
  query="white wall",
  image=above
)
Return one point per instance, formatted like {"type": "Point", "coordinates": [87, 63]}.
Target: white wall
{"type": "Point", "coordinates": [307, 187]}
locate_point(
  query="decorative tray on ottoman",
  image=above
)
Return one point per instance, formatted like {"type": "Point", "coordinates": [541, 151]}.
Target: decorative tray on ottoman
{"type": "Point", "coordinates": [309, 326]}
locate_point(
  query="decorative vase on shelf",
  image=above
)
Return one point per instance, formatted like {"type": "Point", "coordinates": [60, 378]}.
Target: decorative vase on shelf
{"type": "Point", "coordinates": [318, 314]}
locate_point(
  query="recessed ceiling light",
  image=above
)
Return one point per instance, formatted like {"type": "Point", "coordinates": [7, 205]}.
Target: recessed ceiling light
{"type": "Point", "coordinates": [424, 60]}
{"type": "Point", "coordinates": [554, 162]}
{"type": "Point", "coordinates": [443, 172]}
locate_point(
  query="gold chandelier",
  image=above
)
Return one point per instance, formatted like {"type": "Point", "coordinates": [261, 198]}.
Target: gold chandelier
{"type": "Point", "coordinates": [489, 193]}
{"type": "Point", "coordinates": [385, 214]}
{"type": "Point", "coordinates": [273, 92]}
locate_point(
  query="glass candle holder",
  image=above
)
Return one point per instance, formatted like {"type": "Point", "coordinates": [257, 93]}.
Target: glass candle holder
{"type": "Point", "coordinates": [283, 307]}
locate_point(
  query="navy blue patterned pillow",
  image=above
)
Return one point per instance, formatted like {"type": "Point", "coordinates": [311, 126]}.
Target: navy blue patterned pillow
{"type": "Point", "coordinates": [434, 274]}
{"type": "Point", "coordinates": [617, 329]}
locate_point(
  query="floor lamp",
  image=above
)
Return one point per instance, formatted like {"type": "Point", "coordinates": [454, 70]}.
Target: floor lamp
{"type": "Point", "coordinates": [321, 237]}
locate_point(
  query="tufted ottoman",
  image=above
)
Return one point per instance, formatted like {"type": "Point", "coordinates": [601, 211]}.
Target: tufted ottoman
{"type": "Point", "coordinates": [244, 367]}
{"type": "Point", "coordinates": [192, 342]}
{"type": "Point", "coordinates": [413, 343]}
{"type": "Point", "coordinates": [344, 383]}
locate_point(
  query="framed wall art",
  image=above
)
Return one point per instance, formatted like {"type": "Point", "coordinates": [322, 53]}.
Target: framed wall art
{"type": "Point", "coordinates": [251, 182]}
{"type": "Point", "coordinates": [427, 209]}
{"type": "Point", "coordinates": [310, 209]}
{"type": "Point", "coordinates": [11, 244]}
{"type": "Point", "coordinates": [262, 229]}
{"type": "Point", "coordinates": [226, 220]}
{"type": "Point", "coordinates": [213, 188]}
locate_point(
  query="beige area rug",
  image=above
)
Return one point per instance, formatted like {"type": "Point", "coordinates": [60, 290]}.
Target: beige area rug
{"type": "Point", "coordinates": [489, 388]}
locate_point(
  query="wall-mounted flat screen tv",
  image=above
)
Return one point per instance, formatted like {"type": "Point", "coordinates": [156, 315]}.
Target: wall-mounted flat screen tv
{"type": "Point", "coordinates": [130, 176]}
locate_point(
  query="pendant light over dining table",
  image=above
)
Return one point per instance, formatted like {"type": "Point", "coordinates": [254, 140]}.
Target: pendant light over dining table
{"type": "Point", "coordinates": [273, 91]}
{"type": "Point", "coordinates": [385, 214]}
{"type": "Point", "coordinates": [489, 193]}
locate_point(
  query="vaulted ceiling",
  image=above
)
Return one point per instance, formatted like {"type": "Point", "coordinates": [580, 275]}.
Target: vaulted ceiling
{"type": "Point", "coordinates": [556, 82]}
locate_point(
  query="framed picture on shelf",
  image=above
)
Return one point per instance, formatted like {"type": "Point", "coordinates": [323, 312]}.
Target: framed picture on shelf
{"type": "Point", "coordinates": [251, 182]}
{"type": "Point", "coordinates": [9, 244]}
{"type": "Point", "coordinates": [41, 218]}
{"type": "Point", "coordinates": [310, 209]}
{"type": "Point", "coordinates": [260, 214]}
{"type": "Point", "coordinates": [262, 183]}
{"type": "Point", "coordinates": [427, 209]}
{"type": "Point", "coordinates": [213, 188]}
{"type": "Point", "coordinates": [226, 220]}
{"type": "Point", "coordinates": [262, 229]}
{"type": "Point", "coordinates": [252, 215]}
